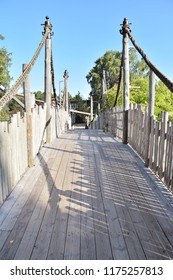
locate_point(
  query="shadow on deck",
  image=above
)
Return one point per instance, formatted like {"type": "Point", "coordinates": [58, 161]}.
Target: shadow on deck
{"type": "Point", "coordinates": [87, 197]}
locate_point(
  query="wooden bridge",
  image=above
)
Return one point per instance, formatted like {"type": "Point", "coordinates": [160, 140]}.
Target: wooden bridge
{"type": "Point", "coordinates": [83, 194]}
{"type": "Point", "coordinates": [87, 197]}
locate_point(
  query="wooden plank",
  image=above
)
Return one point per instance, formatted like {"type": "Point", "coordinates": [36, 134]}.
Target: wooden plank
{"type": "Point", "coordinates": [122, 193]}
{"type": "Point", "coordinates": [16, 209]}
{"type": "Point", "coordinates": [167, 153]}
{"type": "Point", "coordinates": [16, 235]}
{"type": "Point", "coordinates": [3, 237]}
{"type": "Point", "coordinates": [156, 148]}
{"type": "Point", "coordinates": [87, 247]}
{"type": "Point", "coordinates": [162, 145]}
{"type": "Point", "coordinates": [45, 233]}
{"type": "Point", "coordinates": [64, 180]}
{"type": "Point", "coordinates": [27, 243]}
{"type": "Point", "coordinates": [103, 245]}
{"type": "Point", "coordinates": [21, 223]}
{"type": "Point", "coordinates": [72, 243]}
{"type": "Point", "coordinates": [152, 143]}
{"type": "Point", "coordinates": [141, 205]}
{"type": "Point", "coordinates": [117, 241]}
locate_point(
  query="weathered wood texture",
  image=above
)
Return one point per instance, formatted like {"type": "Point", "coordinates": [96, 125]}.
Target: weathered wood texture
{"type": "Point", "coordinates": [110, 121]}
{"type": "Point", "coordinates": [87, 197]}
{"type": "Point", "coordinates": [159, 154]}
{"type": "Point", "coordinates": [155, 147]}
{"type": "Point", "coordinates": [13, 144]}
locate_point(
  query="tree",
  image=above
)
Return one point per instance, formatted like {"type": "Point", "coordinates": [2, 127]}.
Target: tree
{"type": "Point", "coordinates": [5, 63]}
{"type": "Point", "coordinates": [163, 100]}
{"type": "Point", "coordinates": [5, 78]}
{"type": "Point", "coordinates": [110, 62]}
{"type": "Point", "coordinates": [39, 95]}
{"type": "Point", "coordinates": [81, 106]}
{"type": "Point", "coordinates": [137, 67]}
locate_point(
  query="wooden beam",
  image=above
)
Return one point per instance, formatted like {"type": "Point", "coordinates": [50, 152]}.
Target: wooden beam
{"type": "Point", "coordinates": [79, 112]}
{"type": "Point", "coordinates": [26, 90]}
{"type": "Point", "coordinates": [18, 101]}
{"type": "Point", "coordinates": [126, 91]}
{"type": "Point", "coordinates": [48, 87]}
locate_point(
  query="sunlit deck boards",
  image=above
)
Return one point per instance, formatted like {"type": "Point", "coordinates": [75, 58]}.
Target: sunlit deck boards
{"type": "Point", "coordinates": [87, 197]}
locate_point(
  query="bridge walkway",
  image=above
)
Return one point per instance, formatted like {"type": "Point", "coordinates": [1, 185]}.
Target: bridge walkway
{"type": "Point", "coordinates": [87, 197]}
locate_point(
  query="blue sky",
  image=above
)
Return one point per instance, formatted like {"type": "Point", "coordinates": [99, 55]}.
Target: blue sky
{"type": "Point", "coordinates": [83, 31]}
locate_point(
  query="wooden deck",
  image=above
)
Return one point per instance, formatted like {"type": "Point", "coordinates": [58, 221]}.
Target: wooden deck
{"type": "Point", "coordinates": [87, 197]}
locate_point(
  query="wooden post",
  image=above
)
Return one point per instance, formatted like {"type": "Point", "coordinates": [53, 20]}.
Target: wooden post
{"type": "Point", "coordinates": [126, 91]}
{"type": "Point", "coordinates": [151, 101]}
{"type": "Point", "coordinates": [27, 96]}
{"type": "Point", "coordinates": [104, 88]}
{"type": "Point", "coordinates": [99, 115]}
{"type": "Point", "coordinates": [91, 112]}
{"type": "Point", "coordinates": [48, 84]}
{"type": "Point", "coordinates": [66, 89]}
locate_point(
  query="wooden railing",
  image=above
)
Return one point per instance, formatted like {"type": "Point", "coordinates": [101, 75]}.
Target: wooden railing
{"type": "Point", "coordinates": [13, 143]}
{"type": "Point", "coordinates": [110, 121]}
{"type": "Point", "coordinates": [154, 146]}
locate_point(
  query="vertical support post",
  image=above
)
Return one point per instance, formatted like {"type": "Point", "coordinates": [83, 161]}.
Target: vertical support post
{"type": "Point", "coordinates": [151, 100]}
{"type": "Point", "coordinates": [104, 88]}
{"type": "Point", "coordinates": [48, 84]}
{"type": "Point", "coordinates": [27, 96]}
{"type": "Point", "coordinates": [103, 100]}
{"type": "Point", "coordinates": [126, 91]}
{"type": "Point", "coordinates": [151, 94]}
{"type": "Point", "coordinates": [99, 115]}
{"type": "Point", "coordinates": [91, 112]}
{"type": "Point", "coordinates": [66, 89]}
{"type": "Point", "coordinates": [60, 97]}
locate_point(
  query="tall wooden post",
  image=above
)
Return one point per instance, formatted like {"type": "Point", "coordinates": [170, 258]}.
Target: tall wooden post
{"type": "Point", "coordinates": [104, 88]}
{"type": "Point", "coordinates": [27, 96]}
{"type": "Point", "coordinates": [151, 94]}
{"type": "Point", "coordinates": [126, 91]}
{"type": "Point", "coordinates": [48, 85]}
{"type": "Point", "coordinates": [66, 89]}
{"type": "Point", "coordinates": [151, 100]}
{"type": "Point", "coordinates": [98, 115]}
{"type": "Point", "coordinates": [91, 109]}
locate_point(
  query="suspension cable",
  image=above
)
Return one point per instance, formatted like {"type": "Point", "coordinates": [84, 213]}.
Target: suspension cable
{"type": "Point", "coordinates": [160, 75]}
{"type": "Point", "coordinates": [53, 80]}
{"type": "Point", "coordinates": [13, 90]}
{"type": "Point", "coordinates": [119, 80]}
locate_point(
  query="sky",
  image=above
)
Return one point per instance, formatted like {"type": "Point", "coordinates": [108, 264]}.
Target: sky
{"type": "Point", "coordinates": [83, 31]}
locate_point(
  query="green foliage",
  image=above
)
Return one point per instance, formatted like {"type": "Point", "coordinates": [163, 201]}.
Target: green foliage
{"type": "Point", "coordinates": [81, 106]}
{"type": "Point", "coordinates": [139, 95]}
{"type": "Point", "coordinates": [138, 68]}
{"type": "Point", "coordinates": [39, 95]}
{"type": "Point", "coordinates": [4, 114]}
{"type": "Point", "coordinates": [110, 62]}
{"type": "Point", "coordinates": [14, 107]}
{"type": "Point", "coordinates": [139, 81]}
{"type": "Point", "coordinates": [163, 100]}
{"type": "Point", "coordinates": [5, 62]}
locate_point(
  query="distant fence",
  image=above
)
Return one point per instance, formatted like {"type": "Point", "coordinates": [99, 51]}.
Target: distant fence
{"type": "Point", "coordinates": [155, 148]}
{"type": "Point", "coordinates": [13, 143]}
{"type": "Point", "coordinates": [110, 121]}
